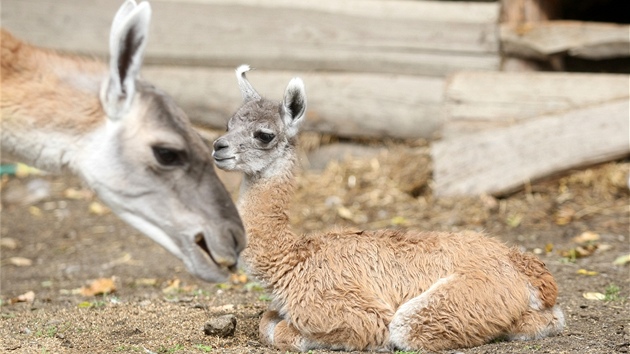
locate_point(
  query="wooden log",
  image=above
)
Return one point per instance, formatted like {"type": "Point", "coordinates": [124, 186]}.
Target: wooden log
{"type": "Point", "coordinates": [517, 13]}
{"type": "Point", "coordinates": [427, 38]}
{"type": "Point", "coordinates": [500, 161]}
{"type": "Point", "coordinates": [589, 40]}
{"type": "Point", "coordinates": [344, 104]}
{"type": "Point", "coordinates": [476, 101]}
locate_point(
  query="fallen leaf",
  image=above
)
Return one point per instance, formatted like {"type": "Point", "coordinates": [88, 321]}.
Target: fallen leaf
{"type": "Point", "coordinates": [622, 260]}
{"type": "Point", "coordinates": [224, 286]}
{"type": "Point", "coordinates": [97, 208]}
{"type": "Point", "coordinates": [172, 287]}
{"type": "Point", "coordinates": [594, 296]}
{"type": "Point", "coordinates": [72, 193]}
{"type": "Point", "coordinates": [238, 278]}
{"type": "Point", "coordinates": [586, 237]}
{"type": "Point", "coordinates": [579, 251]}
{"type": "Point", "coordinates": [514, 220]}
{"type": "Point", "coordinates": [586, 272]}
{"type": "Point", "coordinates": [223, 308]}
{"type": "Point", "coordinates": [35, 211]}
{"type": "Point", "coordinates": [145, 282]}
{"type": "Point", "coordinates": [602, 247]}
{"type": "Point", "coordinates": [28, 296]}
{"type": "Point", "coordinates": [98, 287]}
{"type": "Point", "coordinates": [344, 213]}
{"type": "Point", "coordinates": [549, 247]}
{"type": "Point", "coordinates": [126, 258]}
{"type": "Point", "coordinates": [20, 261]}
{"type": "Point", "coordinates": [564, 215]}
{"type": "Point", "coordinates": [399, 221]}
{"type": "Point", "coordinates": [585, 251]}
{"type": "Point", "coordinates": [22, 170]}
{"type": "Point", "coordinates": [8, 243]}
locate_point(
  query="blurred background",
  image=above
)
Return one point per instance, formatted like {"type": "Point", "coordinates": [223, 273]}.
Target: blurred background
{"type": "Point", "coordinates": [448, 70]}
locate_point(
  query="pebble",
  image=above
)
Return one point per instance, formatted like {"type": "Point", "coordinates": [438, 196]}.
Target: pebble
{"type": "Point", "coordinates": [222, 326]}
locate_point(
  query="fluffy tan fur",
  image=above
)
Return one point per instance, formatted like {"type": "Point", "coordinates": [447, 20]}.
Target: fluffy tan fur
{"type": "Point", "coordinates": [342, 289]}
{"type": "Point", "coordinates": [38, 84]}
{"type": "Point", "coordinates": [364, 289]}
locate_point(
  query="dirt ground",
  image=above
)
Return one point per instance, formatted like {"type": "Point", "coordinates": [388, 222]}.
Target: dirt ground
{"type": "Point", "coordinates": [55, 247]}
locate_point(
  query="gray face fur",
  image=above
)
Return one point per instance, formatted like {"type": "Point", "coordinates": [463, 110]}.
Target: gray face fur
{"type": "Point", "coordinates": [261, 134]}
{"type": "Point", "coordinates": [152, 168]}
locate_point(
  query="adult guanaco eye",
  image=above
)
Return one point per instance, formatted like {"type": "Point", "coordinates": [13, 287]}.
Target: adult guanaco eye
{"type": "Point", "coordinates": [264, 137]}
{"type": "Point", "coordinates": [169, 157]}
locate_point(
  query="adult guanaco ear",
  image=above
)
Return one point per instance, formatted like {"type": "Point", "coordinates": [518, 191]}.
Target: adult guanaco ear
{"type": "Point", "coordinates": [294, 106]}
{"type": "Point", "coordinates": [127, 40]}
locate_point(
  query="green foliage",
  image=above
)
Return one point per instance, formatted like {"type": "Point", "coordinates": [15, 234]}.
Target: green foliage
{"type": "Point", "coordinates": [91, 304]}
{"type": "Point", "coordinates": [254, 286]}
{"type": "Point", "coordinates": [612, 293]}
{"type": "Point", "coordinates": [204, 348]}
{"type": "Point", "coordinates": [265, 297]}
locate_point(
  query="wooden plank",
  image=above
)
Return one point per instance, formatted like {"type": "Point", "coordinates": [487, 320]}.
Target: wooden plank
{"type": "Point", "coordinates": [519, 11]}
{"type": "Point", "coordinates": [588, 40]}
{"type": "Point", "coordinates": [501, 160]}
{"type": "Point", "coordinates": [428, 38]}
{"type": "Point", "coordinates": [344, 104]}
{"type": "Point", "coordinates": [478, 101]}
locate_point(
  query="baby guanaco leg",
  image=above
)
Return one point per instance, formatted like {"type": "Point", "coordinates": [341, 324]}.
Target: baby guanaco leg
{"type": "Point", "coordinates": [277, 332]}
{"type": "Point", "coordinates": [458, 311]}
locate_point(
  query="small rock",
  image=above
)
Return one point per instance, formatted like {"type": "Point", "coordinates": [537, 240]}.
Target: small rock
{"type": "Point", "coordinates": [222, 326]}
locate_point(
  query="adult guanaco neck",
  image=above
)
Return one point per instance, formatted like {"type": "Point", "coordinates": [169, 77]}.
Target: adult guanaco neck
{"type": "Point", "coordinates": [50, 103]}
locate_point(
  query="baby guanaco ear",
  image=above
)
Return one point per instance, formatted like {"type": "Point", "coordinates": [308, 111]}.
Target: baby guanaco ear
{"type": "Point", "coordinates": [294, 106]}
{"type": "Point", "coordinates": [128, 38]}
{"type": "Point", "coordinates": [247, 90]}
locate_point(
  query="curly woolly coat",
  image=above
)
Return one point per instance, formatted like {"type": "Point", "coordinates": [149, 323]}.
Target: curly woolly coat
{"type": "Point", "coordinates": [371, 290]}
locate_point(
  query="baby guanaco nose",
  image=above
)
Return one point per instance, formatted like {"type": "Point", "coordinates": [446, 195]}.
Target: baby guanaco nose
{"type": "Point", "coordinates": [220, 144]}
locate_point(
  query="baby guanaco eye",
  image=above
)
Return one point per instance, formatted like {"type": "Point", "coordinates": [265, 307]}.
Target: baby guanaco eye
{"type": "Point", "coordinates": [169, 157]}
{"type": "Point", "coordinates": [264, 137]}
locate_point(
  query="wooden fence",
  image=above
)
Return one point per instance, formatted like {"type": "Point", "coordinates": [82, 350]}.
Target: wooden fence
{"type": "Point", "coordinates": [372, 68]}
{"type": "Point", "coordinates": [380, 68]}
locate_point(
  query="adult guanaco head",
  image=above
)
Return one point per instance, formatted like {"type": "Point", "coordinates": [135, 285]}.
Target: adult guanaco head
{"type": "Point", "coordinates": [126, 138]}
